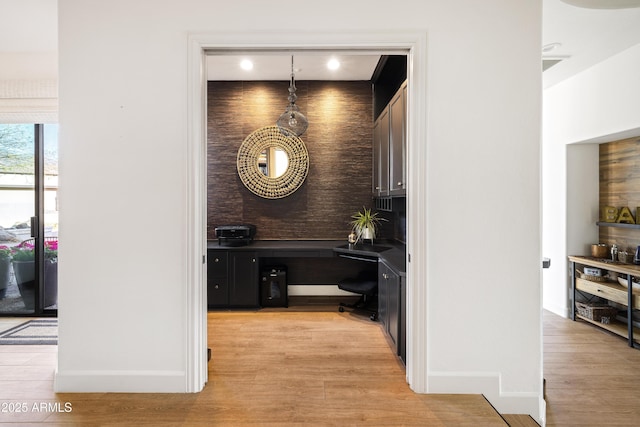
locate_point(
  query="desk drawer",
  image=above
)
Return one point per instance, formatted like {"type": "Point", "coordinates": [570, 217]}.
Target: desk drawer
{"type": "Point", "coordinates": [611, 291]}
{"type": "Point", "coordinates": [217, 263]}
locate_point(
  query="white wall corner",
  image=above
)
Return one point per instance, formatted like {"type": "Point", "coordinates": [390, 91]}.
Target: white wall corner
{"type": "Point", "coordinates": [196, 230]}
{"type": "Point", "coordinates": [487, 384]}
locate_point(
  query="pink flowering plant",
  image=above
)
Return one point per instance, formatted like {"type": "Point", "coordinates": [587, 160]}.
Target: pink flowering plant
{"type": "Point", "coordinates": [26, 251]}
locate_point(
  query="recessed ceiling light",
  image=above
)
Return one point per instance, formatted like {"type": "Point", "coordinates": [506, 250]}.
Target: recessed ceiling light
{"type": "Point", "coordinates": [246, 65]}
{"type": "Point", "coordinates": [551, 46]}
{"type": "Point", "coordinates": [333, 64]}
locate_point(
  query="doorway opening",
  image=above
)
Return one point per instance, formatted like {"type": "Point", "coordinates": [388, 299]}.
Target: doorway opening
{"type": "Point", "coordinates": [333, 124]}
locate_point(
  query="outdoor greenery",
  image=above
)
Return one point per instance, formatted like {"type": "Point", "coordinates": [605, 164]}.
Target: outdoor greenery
{"type": "Point", "coordinates": [5, 252]}
{"type": "Point", "coordinates": [17, 150]}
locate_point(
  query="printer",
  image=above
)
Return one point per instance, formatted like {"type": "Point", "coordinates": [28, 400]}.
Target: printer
{"type": "Point", "coordinates": [235, 235]}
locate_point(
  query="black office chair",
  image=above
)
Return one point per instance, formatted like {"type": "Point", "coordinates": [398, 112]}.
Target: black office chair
{"type": "Point", "coordinates": [365, 284]}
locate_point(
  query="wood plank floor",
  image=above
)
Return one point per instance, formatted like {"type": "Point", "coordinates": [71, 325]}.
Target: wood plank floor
{"type": "Point", "coordinates": [592, 377]}
{"type": "Point", "coordinates": [324, 368]}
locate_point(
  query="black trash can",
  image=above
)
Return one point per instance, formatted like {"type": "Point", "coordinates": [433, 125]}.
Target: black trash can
{"type": "Point", "coordinates": [273, 287]}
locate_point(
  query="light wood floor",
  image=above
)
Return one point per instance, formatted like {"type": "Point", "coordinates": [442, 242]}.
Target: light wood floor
{"type": "Point", "coordinates": [593, 377]}
{"type": "Point", "coordinates": [322, 368]}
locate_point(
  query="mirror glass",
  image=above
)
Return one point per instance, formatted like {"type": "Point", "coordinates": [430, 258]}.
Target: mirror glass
{"type": "Point", "coordinates": [273, 162]}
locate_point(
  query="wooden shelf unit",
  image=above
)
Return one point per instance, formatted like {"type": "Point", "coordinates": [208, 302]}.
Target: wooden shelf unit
{"type": "Point", "coordinates": [616, 327]}
{"type": "Point", "coordinates": [617, 224]}
{"type": "Point", "coordinates": [610, 291]}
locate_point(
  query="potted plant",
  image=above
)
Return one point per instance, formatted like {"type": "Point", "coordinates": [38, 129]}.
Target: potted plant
{"type": "Point", "coordinates": [365, 224]}
{"type": "Point", "coordinates": [5, 264]}
{"type": "Point", "coordinates": [24, 269]}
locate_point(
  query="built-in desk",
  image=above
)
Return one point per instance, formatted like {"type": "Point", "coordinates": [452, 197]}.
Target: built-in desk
{"type": "Point", "coordinates": [234, 271]}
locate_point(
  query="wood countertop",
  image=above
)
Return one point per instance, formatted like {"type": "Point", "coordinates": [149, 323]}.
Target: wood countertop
{"type": "Point", "coordinates": [617, 266]}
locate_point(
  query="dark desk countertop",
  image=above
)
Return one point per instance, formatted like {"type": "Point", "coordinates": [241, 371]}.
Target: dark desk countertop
{"type": "Point", "coordinates": [392, 254]}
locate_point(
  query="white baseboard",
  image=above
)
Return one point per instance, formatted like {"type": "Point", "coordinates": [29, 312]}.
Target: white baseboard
{"type": "Point", "coordinates": [487, 384]}
{"type": "Point", "coordinates": [120, 382]}
{"type": "Point", "coordinates": [316, 290]}
{"type": "Point", "coordinates": [560, 311]}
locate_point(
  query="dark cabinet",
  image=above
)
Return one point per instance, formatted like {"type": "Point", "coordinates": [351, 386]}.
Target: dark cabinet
{"type": "Point", "coordinates": [402, 336]}
{"type": "Point", "coordinates": [389, 302]}
{"type": "Point", "coordinates": [381, 155]}
{"type": "Point", "coordinates": [398, 142]}
{"type": "Point", "coordinates": [389, 147]}
{"type": "Point", "coordinates": [217, 279]}
{"type": "Point", "coordinates": [244, 283]}
{"type": "Point", "coordinates": [232, 279]}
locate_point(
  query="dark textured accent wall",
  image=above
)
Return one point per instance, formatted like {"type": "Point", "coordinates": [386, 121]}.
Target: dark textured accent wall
{"type": "Point", "coordinates": [339, 141]}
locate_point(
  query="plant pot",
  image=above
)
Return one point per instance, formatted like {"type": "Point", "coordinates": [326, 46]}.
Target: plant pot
{"type": "Point", "coordinates": [5, 266]}
{"type": "Point", "coordinates": [25, 278]}
{"type": "Point", "coordinates": [368, 234]}
{"type": "Point", "coordinates": [50, 283]}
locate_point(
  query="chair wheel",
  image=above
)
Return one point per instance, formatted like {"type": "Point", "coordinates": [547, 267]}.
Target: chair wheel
{"type": "Point", "coordinates": [341, 309]}
{"type": "Point", "coordinates": [373, 317]}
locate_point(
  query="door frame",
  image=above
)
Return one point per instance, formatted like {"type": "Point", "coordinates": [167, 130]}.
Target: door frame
{"type": "Point", "coordinates": [414, 44]}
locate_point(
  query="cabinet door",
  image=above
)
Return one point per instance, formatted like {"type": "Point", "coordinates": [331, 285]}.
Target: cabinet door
{"type": "Point", "coordinates": [217, 263]}
{"type": "Point", "coordinates": [383, 296]}
{"type": "Point", "coordinates": [397, 142]}
{"type": "Point", "coordinates": [393, 306]}
{"type": "Point", "coordinates": [381, 155]}
{"type": "Point", "coordinates": [402, 333]}
{"type": "Point", "coordinates": [375, 167]}
{"type": "Point", "coordinates": [217, 279]}
{"type": "Point", "coordinates": [244, 283]}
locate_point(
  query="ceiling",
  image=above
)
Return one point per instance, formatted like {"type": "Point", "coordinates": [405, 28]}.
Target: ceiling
{"type": "Point", "coordinates": [307, 66]}
{"type": "Point", "coordinates": [586, 36]}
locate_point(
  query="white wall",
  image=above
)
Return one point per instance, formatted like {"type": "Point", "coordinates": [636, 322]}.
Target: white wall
{"type": "Point", "coordinates": [124, 127]}
{"type": "Point", "coordinates": [597, 105]}
{"type": "Point", "coordinates": [29, 58]}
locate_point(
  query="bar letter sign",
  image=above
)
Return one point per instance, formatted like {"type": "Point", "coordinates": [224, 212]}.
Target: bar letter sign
{"type": "Point", "coordinates": [621, 216]}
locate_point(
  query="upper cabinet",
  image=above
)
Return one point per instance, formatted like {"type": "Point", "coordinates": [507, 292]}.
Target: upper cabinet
{"type": "Point", "coordinates": [381, 139]}
{"type": "Point", "coordinates": [398, 142]}
{"type": "Point", "coordinates": [389, 147]}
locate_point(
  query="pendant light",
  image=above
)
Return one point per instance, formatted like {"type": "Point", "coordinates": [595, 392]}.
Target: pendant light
{"type": "Point", "coordinates": [292, 119]}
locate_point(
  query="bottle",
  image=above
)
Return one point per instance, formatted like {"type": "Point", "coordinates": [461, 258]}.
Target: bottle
{"type": "Point", "coordinates": [636, 259]}
{"type": "Point", "coordinates": [614, 252]}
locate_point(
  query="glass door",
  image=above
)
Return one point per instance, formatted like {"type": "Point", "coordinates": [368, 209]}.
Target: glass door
{"type": "Point", "coordinates": [28, 219]}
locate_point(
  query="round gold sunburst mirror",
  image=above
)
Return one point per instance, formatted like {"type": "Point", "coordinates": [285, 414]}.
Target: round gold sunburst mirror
{"type": "Point", "coordinates": [272, 163]}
